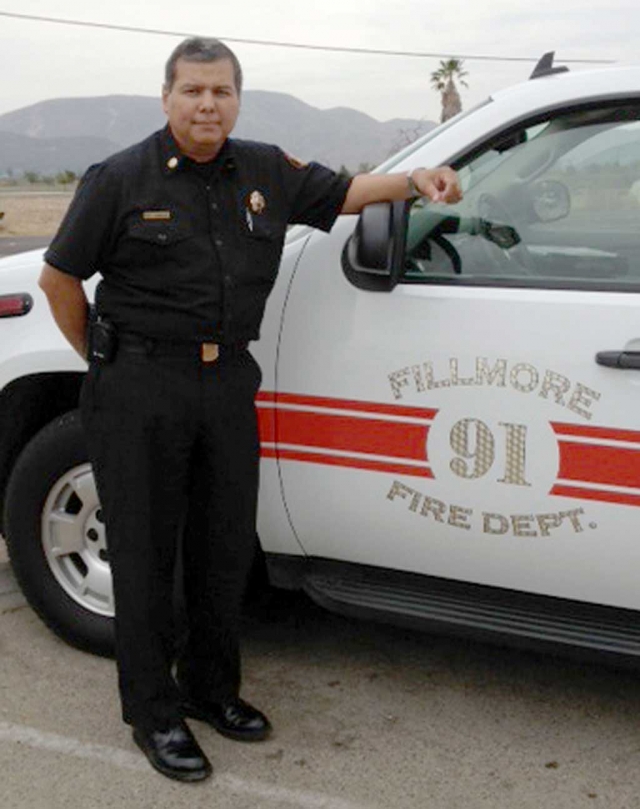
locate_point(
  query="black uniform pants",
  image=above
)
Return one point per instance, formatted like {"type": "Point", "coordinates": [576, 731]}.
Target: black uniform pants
{"type": "Point", "coordinates": [175, 450]}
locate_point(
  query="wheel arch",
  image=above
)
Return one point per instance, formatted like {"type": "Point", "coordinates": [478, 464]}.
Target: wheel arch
{"type": "Point", "coordinates": [27, 404]}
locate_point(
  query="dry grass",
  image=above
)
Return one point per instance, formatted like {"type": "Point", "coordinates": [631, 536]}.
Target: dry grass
{"type": "Point", "coordinates": [32, 213]}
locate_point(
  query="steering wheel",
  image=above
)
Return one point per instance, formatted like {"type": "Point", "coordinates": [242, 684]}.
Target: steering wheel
{"type": "Point", "coordinates": [422, 252]}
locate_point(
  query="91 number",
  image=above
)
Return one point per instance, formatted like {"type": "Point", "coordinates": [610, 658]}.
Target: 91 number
{"type": "Point", "coordinates": [475, 447]}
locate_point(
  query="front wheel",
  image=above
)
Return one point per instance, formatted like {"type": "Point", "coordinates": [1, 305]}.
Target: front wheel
{"type": "Point", "coordinates": [56, 538]}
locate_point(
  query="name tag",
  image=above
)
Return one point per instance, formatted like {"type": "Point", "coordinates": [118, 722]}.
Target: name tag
{"type": "Point", "coordinates": [156, 216]}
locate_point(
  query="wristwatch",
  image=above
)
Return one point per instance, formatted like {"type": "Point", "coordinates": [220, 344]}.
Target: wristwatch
{"type": "Point", "coordinates": [414, 191]}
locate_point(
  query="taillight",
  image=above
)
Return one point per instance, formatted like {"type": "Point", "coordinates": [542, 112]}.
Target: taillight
{"type": "Point", "coordinates": [15, 305]}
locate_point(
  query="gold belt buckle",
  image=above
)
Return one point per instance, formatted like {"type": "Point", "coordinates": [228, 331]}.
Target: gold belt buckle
{"type": "Point", "coordinates": [209, 352]}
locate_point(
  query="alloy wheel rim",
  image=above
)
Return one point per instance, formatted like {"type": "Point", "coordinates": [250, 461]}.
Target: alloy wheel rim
{"type": "Point", "coordinates": [74, 541]}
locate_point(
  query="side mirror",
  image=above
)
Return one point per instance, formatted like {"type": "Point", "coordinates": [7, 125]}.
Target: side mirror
{"type": "Point", "coordinates": [373, 257]}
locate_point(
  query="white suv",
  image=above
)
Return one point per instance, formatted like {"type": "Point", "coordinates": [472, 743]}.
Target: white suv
{"type": "Point", "coordinates": [449, 413]}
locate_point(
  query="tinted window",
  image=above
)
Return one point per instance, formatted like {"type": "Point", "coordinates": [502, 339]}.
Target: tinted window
{"type": "Point", "coordinates": [554, 204]}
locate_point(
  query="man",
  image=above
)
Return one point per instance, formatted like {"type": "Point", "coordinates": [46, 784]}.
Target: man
{"type": "Point", "coordinates": [186, 230]}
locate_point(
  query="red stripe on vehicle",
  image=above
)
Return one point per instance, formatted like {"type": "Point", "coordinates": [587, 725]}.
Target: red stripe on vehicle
{"type": "Point", "coordinates": [403, 411]}
{"type": "Point", "coordinates": [349, 462]}
{"type": "Point", "coordinates": [267, 424]}
{"type": "Point", "coordinates": [352, 434]}
{"type": "Point", "coordinates": [596, 432]}
{"type": "Point", "coordinates": [596, 494]}
{"type": "Point", "coordinates": [614, 466]}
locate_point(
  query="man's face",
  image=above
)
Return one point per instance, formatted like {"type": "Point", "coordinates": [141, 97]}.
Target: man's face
{"type": "Point", "coordinates": [202, 106]}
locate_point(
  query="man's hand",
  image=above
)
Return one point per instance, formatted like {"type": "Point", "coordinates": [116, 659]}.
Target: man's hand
{"type": "Point", "coordinates": [439, 185]}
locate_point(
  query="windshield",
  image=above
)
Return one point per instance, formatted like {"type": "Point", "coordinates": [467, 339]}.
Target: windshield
{"type": "Point", "coordinates": [385, 167]}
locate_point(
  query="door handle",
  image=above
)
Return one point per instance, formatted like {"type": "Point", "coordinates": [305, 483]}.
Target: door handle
{"type": "Point", "coordinates": [619, 359]}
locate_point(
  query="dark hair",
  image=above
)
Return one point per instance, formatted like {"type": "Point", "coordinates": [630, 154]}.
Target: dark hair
{"type": "Point", "coordinates": [201, 49]}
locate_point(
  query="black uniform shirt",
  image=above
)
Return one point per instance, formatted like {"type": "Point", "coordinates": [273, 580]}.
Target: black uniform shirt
{"type": "Point", "coordinates": [190, 251]}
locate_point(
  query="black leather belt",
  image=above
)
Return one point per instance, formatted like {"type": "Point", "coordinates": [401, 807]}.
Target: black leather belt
{"type": "Point", "coordinates": [203, 352]}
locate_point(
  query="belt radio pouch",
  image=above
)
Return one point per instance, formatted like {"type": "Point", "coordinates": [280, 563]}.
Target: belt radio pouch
{"type": "Point", "coordinates": [103, 341]}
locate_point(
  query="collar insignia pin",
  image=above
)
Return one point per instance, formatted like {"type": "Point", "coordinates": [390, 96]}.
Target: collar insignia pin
{"type": "Point", "coordinates": [172, 163]}
{"type": "Point", "coordinates": [295, 162]}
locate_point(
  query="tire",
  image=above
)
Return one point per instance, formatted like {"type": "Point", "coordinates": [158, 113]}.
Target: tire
{"type": "Point", "coordinates": [56, 538]}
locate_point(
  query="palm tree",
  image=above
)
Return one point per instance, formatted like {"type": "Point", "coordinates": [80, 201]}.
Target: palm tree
{"type": "Point", "coordinates": [442, 80]}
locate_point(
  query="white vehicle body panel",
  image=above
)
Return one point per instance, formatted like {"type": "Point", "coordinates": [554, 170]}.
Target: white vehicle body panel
{"type": "Point", "coordinates": [369, 337]}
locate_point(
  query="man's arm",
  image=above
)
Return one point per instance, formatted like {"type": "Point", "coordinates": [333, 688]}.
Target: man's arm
{"type": "Point", "coordinates": [69, 305]}
{"type": "Point", "coordinates": [440, 185]}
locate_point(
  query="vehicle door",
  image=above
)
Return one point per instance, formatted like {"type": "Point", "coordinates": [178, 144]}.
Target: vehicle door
{"type": "Point", "coordinates": [467, 424]}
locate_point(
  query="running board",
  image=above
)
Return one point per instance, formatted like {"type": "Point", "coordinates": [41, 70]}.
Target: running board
{"type": "Point", "coordinates": [473, 610]}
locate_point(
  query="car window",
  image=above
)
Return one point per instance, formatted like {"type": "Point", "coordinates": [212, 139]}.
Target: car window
{"type": "Point", "coordinates": [556, 203]}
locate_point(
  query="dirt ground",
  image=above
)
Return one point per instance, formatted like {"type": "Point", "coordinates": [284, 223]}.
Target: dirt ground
{"type": "Point", "coordinates": [32, 213]}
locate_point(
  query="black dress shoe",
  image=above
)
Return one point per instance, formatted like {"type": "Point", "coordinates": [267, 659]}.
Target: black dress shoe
{"type": "Point", "coordinates": [233, 718]}
{"type": "Point", "coordinates": [174, 752]}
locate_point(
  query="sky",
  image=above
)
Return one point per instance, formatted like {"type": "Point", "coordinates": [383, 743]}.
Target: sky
{"type": "Point", "coordinates": [41, 60]}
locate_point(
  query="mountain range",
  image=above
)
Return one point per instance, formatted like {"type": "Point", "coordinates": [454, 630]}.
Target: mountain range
{"type": "Point", "coordinates": [73, 133]}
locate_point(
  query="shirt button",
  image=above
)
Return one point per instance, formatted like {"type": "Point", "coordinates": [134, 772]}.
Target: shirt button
{"type": "Point", "coordinates": [214, 206]}
{"type": "Point", "coordinates": [218, 242]}
{"type": "Point", "coordinates": [162, 237]}
{"type": "Point", "coordinates": [228, 280]}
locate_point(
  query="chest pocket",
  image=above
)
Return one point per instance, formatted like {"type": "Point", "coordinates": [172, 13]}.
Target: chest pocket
{"type": "Point", "coordinates": [260, 228]}
{"type": "Point", "coordinates": [157, 240]}
{"type": "Point", "coordinates": [263, 240]}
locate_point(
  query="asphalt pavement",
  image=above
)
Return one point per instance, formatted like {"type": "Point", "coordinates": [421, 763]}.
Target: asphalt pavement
{"type": "Point", "coordinates": [365, 717]}
{"type": "Point", "coordinates": [9, 245]}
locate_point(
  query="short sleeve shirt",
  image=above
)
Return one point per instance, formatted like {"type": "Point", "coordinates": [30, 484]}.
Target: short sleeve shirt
{"type": "Point", "coordinates": [190, 251]}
